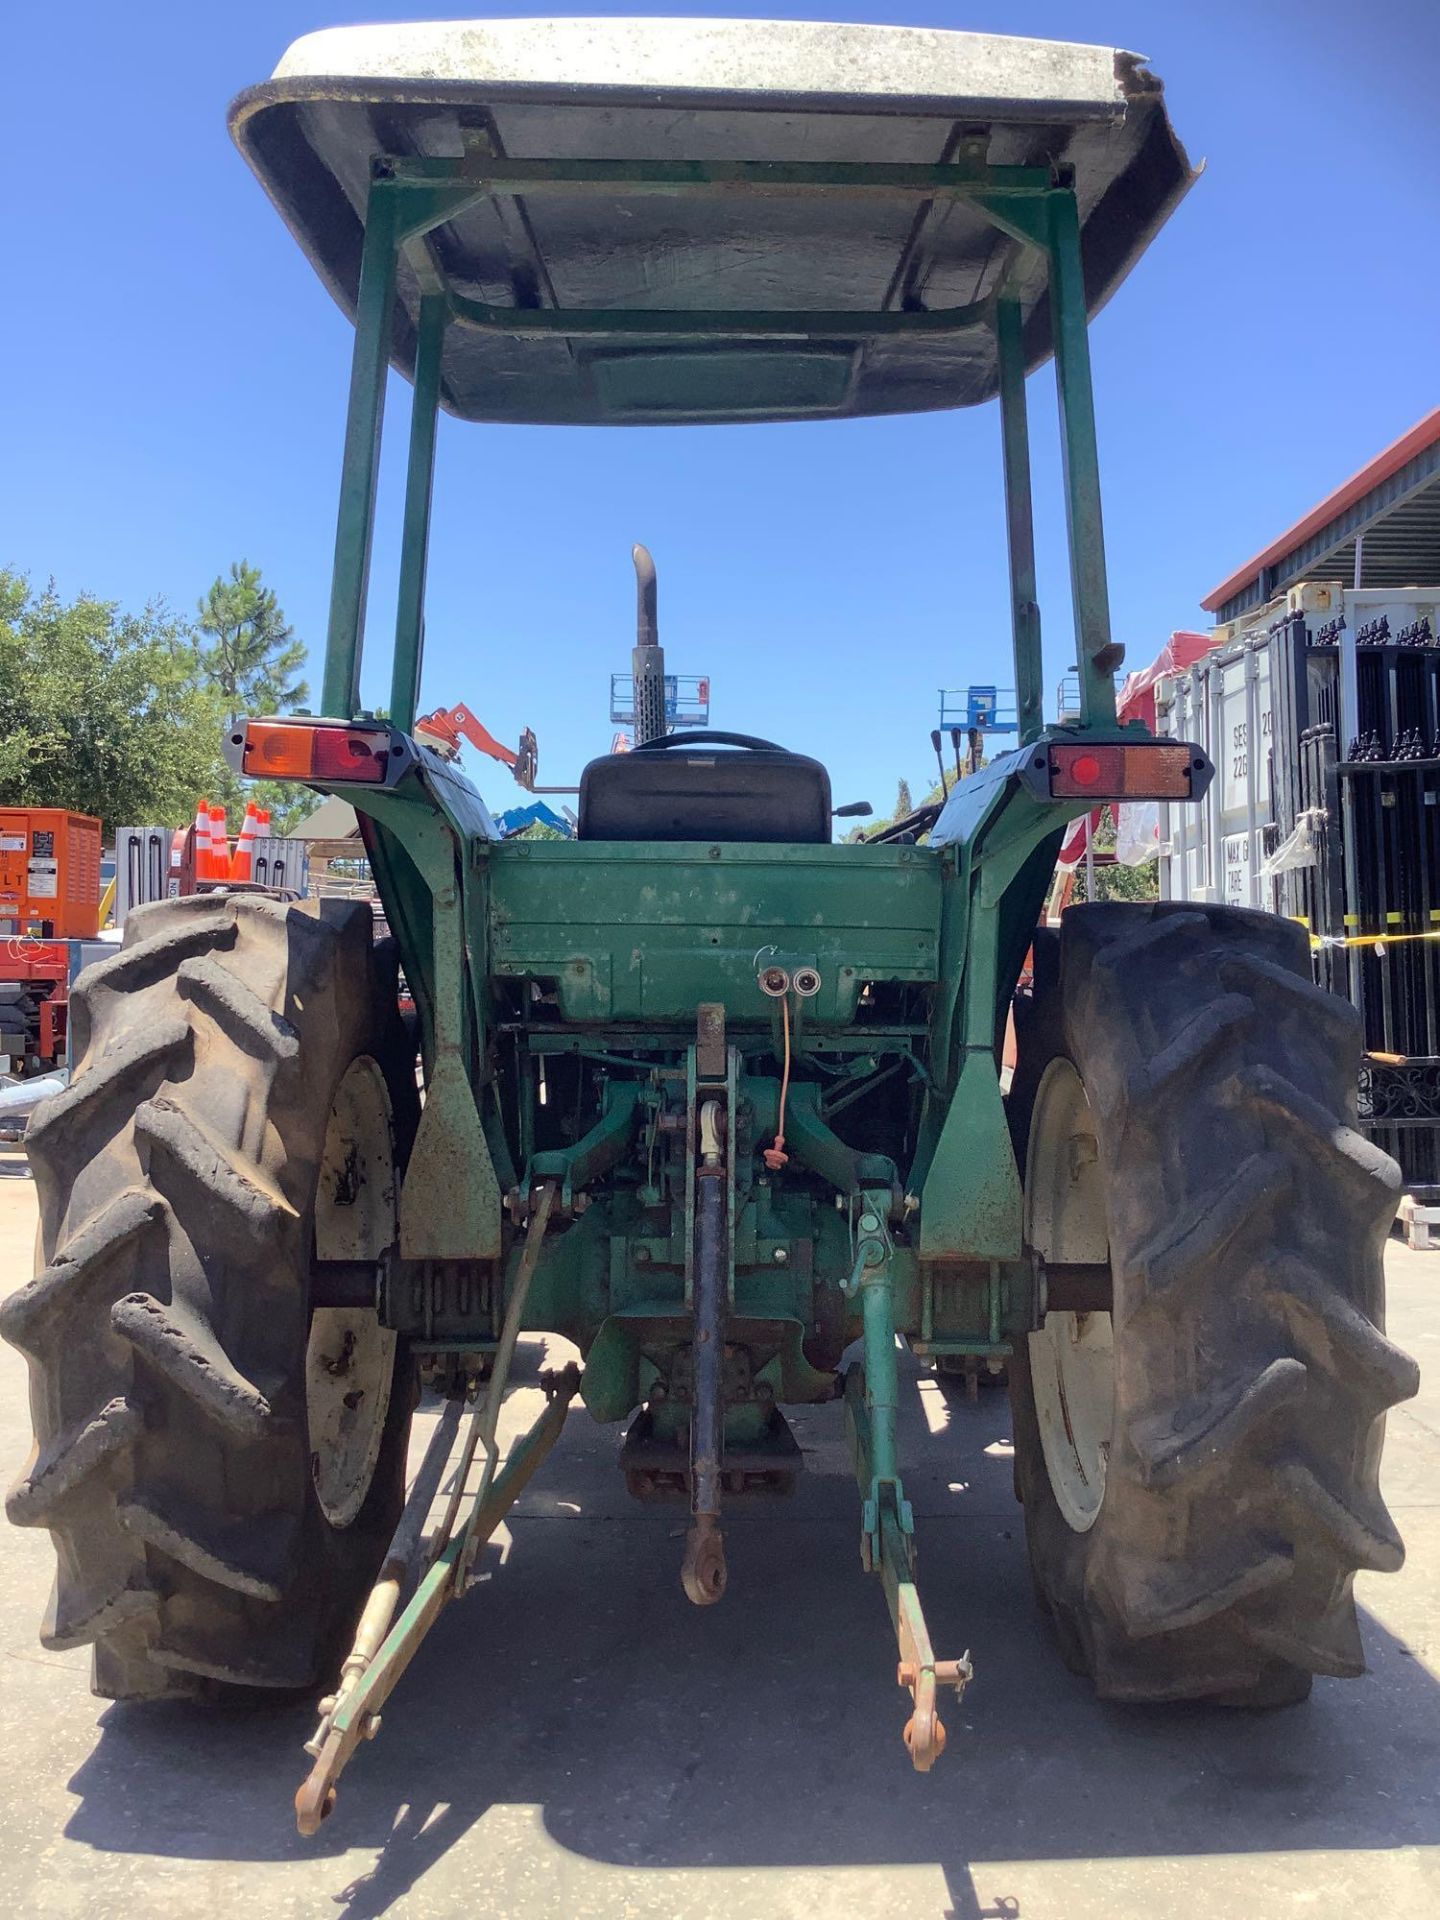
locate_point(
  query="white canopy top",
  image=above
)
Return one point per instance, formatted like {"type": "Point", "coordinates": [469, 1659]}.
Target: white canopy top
{"type": "Point", "coordinates": [723, 91]}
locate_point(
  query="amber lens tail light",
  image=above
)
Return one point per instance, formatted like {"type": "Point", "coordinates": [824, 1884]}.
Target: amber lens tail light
{"type": "Point", "coordinates": [290, 750]}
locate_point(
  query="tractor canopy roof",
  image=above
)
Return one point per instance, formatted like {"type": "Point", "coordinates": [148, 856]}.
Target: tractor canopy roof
{"type": "Point", "coordinates": [618, 255]}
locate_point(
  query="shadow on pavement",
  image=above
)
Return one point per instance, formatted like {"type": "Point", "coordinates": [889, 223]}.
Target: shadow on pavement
{"type": "Point", "coordinates": [765, 1732]}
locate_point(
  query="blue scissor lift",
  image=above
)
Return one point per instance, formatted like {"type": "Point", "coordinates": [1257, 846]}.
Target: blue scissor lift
{"type": "Point", "coordinates": [971, 713]}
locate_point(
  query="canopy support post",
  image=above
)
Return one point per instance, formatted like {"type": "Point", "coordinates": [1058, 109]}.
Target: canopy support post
{"type": "Point", "coordinates": [415, 541]}
{"type": "Point", "coordinates": [1095, 655]}
{"type": "Point", "coordinates": [359, 471]}
{"type": "Point", "coordinates": [1019, 521]}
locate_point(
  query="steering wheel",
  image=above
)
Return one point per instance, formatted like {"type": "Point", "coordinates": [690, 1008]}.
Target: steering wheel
{"type": "Point", "coordinates": [751, 742]}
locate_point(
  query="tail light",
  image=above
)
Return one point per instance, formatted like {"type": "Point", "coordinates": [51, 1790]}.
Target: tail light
{"type": "Point", "coordinates": [1142, 770]}
{"type": "Point", "coordinates": [293, 750]}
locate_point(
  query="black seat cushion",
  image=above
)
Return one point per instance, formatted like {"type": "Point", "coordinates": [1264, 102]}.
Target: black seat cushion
{"type": "Point", "coordinates": [689, 793]}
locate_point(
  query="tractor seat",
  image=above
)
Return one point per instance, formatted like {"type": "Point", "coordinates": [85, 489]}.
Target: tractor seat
{"type": "Point", "coordinates": [681, 788]}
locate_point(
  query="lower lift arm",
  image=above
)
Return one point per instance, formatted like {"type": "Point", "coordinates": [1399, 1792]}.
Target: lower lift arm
{"type": "Point", "coordinates": [887, 1537]}
{"type": "Point", "coordinates": [381, 1652]}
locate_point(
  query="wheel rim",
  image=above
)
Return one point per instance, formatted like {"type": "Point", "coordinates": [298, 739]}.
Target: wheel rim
{"type": "Point", "coordinates": [1072, 1356]}
{"type": "Point", "coordinates": [350, 1357]}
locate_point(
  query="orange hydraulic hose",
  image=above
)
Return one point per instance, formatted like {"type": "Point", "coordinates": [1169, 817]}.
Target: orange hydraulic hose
{"type": "Point", "coordinates": [775, 1156]}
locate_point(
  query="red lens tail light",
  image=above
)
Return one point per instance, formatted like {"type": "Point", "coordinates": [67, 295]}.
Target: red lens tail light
{"type": "Point", "coordinates": [341, 754]}
{"type": "Point", "coordinates": [291, 750]}
{"type": "Point", "coordinates": [1148, 770]}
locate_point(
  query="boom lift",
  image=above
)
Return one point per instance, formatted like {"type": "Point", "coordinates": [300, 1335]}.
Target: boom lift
{"type": "Point", "coordinates": [444, 729]}
{"type": "Point", "coordinates": [706, 1092]}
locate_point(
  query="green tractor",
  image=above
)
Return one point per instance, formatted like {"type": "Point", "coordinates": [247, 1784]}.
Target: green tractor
{"type": "Point", "coordinates": [705, 1092]}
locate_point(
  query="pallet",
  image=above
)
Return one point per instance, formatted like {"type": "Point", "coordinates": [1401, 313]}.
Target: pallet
{"type": "Point", "coordinates": [1419, 1225]}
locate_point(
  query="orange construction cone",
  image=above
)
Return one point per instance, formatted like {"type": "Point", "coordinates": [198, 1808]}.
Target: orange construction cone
{"type": "Point", "coordinates": [242, 862]}
{"type": "Point", "coordinates": [219, 845]}
{"type": "Point", "coordinates": [265, 856]}
{"type": "Point", "coordinates": [202, 839]}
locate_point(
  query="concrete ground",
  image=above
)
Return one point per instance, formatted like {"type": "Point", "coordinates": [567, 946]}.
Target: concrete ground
{"type": "Point", "coordinates": [576, 1740]}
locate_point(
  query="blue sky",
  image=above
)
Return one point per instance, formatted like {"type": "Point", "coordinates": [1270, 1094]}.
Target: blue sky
{"type": "Point", "coordinates": [175, 376]}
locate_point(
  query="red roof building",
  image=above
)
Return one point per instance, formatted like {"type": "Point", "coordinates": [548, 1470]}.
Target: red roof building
{"type": "Point", "coordinates": [1380, 529]}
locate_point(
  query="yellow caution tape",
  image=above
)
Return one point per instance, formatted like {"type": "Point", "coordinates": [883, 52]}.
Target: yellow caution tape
{"type": "Point", "coordinates": [1325, 940]}
{"type": "Point", "coordinates": [1317, 941]}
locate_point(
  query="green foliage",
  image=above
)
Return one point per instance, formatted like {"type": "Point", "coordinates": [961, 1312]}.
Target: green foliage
{"type": "Point", "coordinates": [253, 659]}
{"type": "Point", "coordinates": [1116, 882]}
{"type": "Point", "coordinates": [903, 803]}
{"type": "Point", "coordinates": [288, 804]}
{"type": "Point", "coordinates": [101, 711]}
{"type": "Point", "coordinates": [121, 715]}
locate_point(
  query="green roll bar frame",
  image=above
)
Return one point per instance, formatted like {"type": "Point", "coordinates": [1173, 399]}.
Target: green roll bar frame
{"type": "Point", "coordinates": [410, 198]}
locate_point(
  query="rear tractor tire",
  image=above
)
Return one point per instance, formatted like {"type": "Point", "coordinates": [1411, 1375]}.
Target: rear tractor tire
{"type": "Point", "coordinates": [1199, 1466]}
{"type": "Point", "coordinates": [219, 1462]}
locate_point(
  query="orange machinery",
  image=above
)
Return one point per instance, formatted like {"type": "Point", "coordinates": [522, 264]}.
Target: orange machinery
{"type": "Point", "coordinates": [49, 873]}
{"type": "Point", "coordinates": [49, 898]}
{"type": "Point", "coordinates": [448, 726]}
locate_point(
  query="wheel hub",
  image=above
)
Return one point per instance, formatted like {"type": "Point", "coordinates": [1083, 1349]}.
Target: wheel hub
{"type": "Point", "coordinates": [1072, 1364]}
{"type": "Point", "coordinates": [350, 1358]}
{"type": "Point", "coordinates": [1072, 1356]}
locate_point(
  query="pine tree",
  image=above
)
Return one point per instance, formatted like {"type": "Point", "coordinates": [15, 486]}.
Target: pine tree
{"type": "Point", "coordinates": [253, 660]}
{"type": "Point", "coordinates": [903, 803]}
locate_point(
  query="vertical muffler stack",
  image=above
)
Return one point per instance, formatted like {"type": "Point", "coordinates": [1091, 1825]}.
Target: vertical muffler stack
{"type": "Point", "coordinates": [648, 656]}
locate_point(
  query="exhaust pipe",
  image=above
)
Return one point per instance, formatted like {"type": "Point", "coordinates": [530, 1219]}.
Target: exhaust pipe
{"type": "Point", "coordinates": [648, 657]}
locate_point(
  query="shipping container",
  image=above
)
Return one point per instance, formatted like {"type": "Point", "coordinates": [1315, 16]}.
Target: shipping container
{"type": "Point", "coordinates": [1322, 714]}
